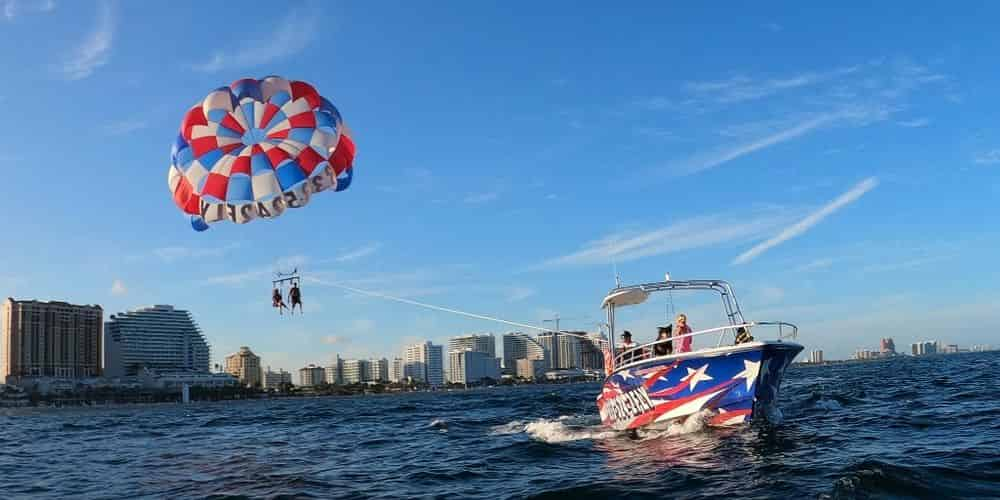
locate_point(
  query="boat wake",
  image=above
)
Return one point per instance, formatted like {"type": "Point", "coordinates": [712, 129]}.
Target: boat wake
{"type": "Point", "coordinates": [557, 430]}
{"type": "Point", "coordinates": [695, 423]}
{"type": "Point", "coordinates": [568, 428]}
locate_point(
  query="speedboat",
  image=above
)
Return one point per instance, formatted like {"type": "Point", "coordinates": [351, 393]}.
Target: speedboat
{"type": "Point", "coordinates": [736, 381]}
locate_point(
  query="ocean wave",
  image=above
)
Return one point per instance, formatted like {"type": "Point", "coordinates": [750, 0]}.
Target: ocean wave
{"type": "Point", "coordinates": [438, 423]}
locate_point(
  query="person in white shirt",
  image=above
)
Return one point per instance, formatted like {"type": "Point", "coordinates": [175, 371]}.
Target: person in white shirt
{"type": "Point", "coordinates": [629, 354]}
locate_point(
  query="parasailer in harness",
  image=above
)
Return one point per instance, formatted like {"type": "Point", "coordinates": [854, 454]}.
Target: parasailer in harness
{"type": "Point", "coordinates": [295, 297]}
{"type": "Point", "coordinates": [277, 301]}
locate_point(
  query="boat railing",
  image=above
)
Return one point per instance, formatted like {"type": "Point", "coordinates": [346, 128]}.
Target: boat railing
{"type": "Point", "coordinates": [644, 351]}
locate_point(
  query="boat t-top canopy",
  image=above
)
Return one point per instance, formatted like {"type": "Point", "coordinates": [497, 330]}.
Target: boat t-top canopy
{"type": "Point", "coordinates": [637, 294]}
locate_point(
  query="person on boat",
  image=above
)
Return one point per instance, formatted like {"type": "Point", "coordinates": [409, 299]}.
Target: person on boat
{"type": "Point", "coordinates": [664, 348]}
{"type": "Point", "coordinates": [277, 301]}
{"type": "Point", "coordinates": [683, 329]}
{"type": "Point", "coordinates": [628, 348]}
{"type": "Point", "coordinates": [295, 296]}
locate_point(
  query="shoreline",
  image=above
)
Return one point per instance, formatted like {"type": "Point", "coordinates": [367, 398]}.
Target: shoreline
{"type": "Point", "coordinates": [97, 404]}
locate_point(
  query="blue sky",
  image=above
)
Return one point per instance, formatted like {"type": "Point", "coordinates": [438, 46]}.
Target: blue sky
{"type": "Point", "coordinates": [839, 166]}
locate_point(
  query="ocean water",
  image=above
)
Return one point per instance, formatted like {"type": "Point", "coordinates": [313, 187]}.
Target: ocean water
{"type": "Point", "coordinates": [904, 428]}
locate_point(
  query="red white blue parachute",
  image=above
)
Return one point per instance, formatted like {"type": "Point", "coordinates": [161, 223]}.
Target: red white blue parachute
{"type": "Point", "coordinates": [255, 148]}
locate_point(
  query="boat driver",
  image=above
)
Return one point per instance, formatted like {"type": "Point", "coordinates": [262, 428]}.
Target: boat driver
{"type": "Point", "coordinates": [628, 347]}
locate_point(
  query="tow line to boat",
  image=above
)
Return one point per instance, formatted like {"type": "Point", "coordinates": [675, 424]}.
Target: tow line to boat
{"type": "Point", "coordinates": [432, 306]}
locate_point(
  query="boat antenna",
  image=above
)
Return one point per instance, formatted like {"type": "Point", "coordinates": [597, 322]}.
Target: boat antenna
{"type": "Point", "coordinates": [671, 310]}
{"type": "Point", "coordinates": [614, 268]}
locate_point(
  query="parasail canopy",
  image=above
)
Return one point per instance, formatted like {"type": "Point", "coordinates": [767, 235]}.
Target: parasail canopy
{"type": "Point", "coordinates": [256, 148]}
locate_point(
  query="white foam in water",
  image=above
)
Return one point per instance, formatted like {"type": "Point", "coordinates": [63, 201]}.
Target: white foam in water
{"type": "Point", "coordinates": [556, 431]}
{"type": "Point", "coordinates": [695, 423]}
{"type": "Point", "coordinates": [514, 427]}
{"type": "Point", "coordinates": [564, 429]}
{"type": "Point", "coordinates": [439, 423]}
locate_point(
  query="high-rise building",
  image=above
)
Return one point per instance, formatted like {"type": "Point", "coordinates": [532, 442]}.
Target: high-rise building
{"type": "Point", "coordinates": [435, 365]}
{"type": "Point", "coordinates": [355, 371]}
{"type": "Point", "coordinates": [915, 349]}
{"type": "Point", "coordinates": [378, 370]}
{"type": "Point", "coordinates": [396, 370]}
{"type": "Point", "coordinates": [517, 345]}
{"type": "Point", "coordinates": [50, 339]}
{"type": "Point", "coordinates": [591, 352]}
{"type": "Point", "coordinates": [470, 367]}
{"type": "Point", "coordinates": [276, 380]}
{"type": "Point", "coordinates": [245, 365]}
{"type": "Point", "coordinates": [531, 368]}
{"type": "Point", "coordinates": [562, 350]}
{"type": "Point", "coordinates": [479, 343]}
{"type": "Point", "coordinates": [485, 344]}
{"type": "Point", "coordinates": [865, 354]}
{"type": "Point", "coordinates": [159, 338]}
{"type": "Point", "coordinates": [887, 347]}
{"type": "Point", "coordinates": [816, 356]}
{"type": "Point", "coordinates": [424, 363]}
{"type": "Point", "coordinates": [929, 348]}
{"type": "Point", "coordinates": [311, 375]}
{"type": "Point", "coordinates": [550, 347]}
{"type": "Point", "coordinates": [334, 373]}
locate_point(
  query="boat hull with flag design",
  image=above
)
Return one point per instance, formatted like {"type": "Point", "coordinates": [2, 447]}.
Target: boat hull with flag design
{"type": "Point", "coordinates": [733, 384]}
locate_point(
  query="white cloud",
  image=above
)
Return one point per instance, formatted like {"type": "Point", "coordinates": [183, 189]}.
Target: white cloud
{"type": "Point", "coordinates": [359, 252]}
{"type": "Point", "coordinates": [118, 288]}
{"type": "Point", "coordinates": [718, 157]}
{"type": "Point", "coordinates": [914, 123]}
{"type": "Point", "coordinates": [811, 220]}
{"type": "Point", "coordinates": [742, 88]}
{"type": "Point", "coordinates": [772, 27]}
{"type": "Point", "coordinates": [991, 157]}
{"type": "Point", "coordinates": [854, 96]}
{"type": "Point", "coordinates": [291, 35]}
{"type": "Point", "coordinates": [124, 127]}
{"type": "Point", "coordinates": [697, 232]}
{"type": "Point", "coordinates": [482, 197]}
{"type": "Point", "coordinates": [95, 51]}
{"type": "Point", "coordinates": [14, 8]}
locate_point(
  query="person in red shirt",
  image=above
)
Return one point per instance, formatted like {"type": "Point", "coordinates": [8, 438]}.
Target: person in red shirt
{"type": "Point", "coordinates": [683, 329]}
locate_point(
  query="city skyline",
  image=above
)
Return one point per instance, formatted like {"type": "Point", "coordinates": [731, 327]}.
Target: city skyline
{"type": "Point", "coordinates": [539, 347]}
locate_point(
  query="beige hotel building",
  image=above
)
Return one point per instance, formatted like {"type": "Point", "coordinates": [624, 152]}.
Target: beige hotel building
{"type": "Point", "coordinates": [50, 339]}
